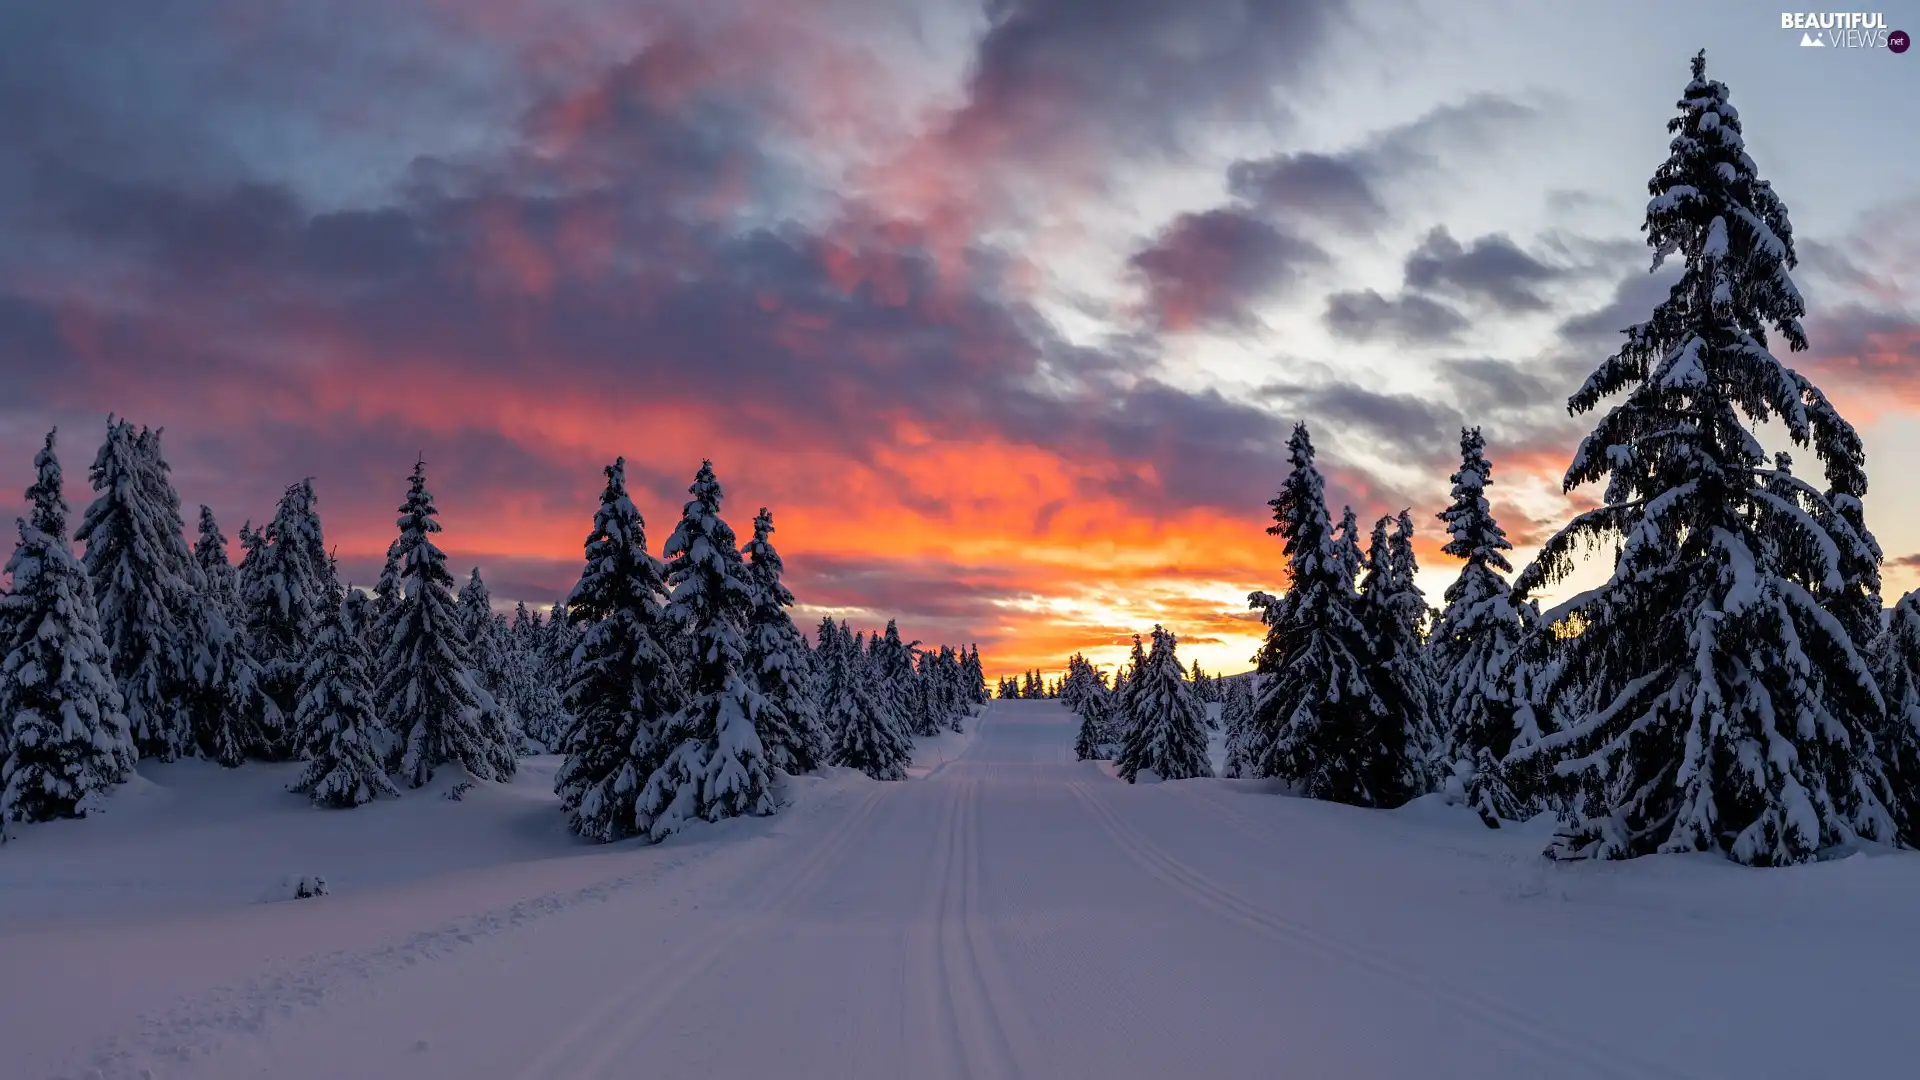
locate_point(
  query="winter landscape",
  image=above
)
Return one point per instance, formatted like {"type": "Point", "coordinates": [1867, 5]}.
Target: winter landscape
{"type": "Point", "coordinates": [1176, 656]}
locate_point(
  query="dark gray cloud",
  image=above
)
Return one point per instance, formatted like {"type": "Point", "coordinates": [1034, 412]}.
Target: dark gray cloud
{"type": "Point", "coordinates": [1402, 423]}
{"type": "Point", "coordinates": [1052, 74]}
{"type": "Point", "coordinates": [1410, 319]}
{"type": "Point", "coordinates": [1346, 188]}
{"type": "Point", "coordinates": [1486, 383]}
{"type": "Point", "coordinates": [1491, 269]}
{"type": "Point", "coordinates": [1205, 269]}
{"type": "Point", "coordinates": [1310, 185]}
{"type": "Point", "coordinates": [1597, 333]}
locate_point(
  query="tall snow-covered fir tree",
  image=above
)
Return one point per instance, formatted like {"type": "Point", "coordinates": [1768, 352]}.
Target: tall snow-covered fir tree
{"type": "Point", "coordinates": [356, 611]}
{"type": "Point", "coordinates": [287, 588]}
{"type": "Point", "coordinates": [337, 721]}
{"type": "Point", "coordinates": [429, 694]}
{"type": "Point", "coordinates": [1721, 706]}
{"type": "Point", "coordinates": [230, 713]}
{"type": "Point", "coordinates": [1475, 648]}
{"type": "Point", "coordinates": [222, 582]}
{"type": "Point", "coordinates": [1346, 545]}
{"type": "Point", "coordinates": [1236, 717]}
{"type": "Point", "coordinates": [899, 683]}
{"type": "Point", "coordinates": [1120, 717]}
{"type": "Point", "coordinates": [564, 636]}
{"type": "Point", "coordinates": [1169, 731]}
{"type": "Point", "coordinates": [623, 687]}
{"type": "Point", "coordinates": [386, 595]}
{"type": "Point", "coordinates": [1313, 723]}
{"type": "Point", "coordinates": [1898, 741]}
{"type": "Point", "coordinates": [64, 741]}
{"type": "Point", "coordinates": [861, 735]}
{"type": "Point", "coordinates": [951, 684]}
{"type": "Point", "coordinates": [1086, 694]}
{"type": "Point", "coordinates": [718, 767]}
{"type": "Point", "coordinates": [823, 636]}
{"type": "Point", "coordinates": [976, 676]}
{"type": "Point", "coordinates": [486, 635]}
{"type": "Point", "coordinates": [790, 727]}
{"type": "Point", "coordinates": [534, 692]}
{"type": "Point", "coordinates": [230, 717]}
{"type": "Point", "coordinates": [921, 704]}
{"type": "Point", "coordinates": [144, 583]}
{"type": "Point", "coordinates": [1391, 758]}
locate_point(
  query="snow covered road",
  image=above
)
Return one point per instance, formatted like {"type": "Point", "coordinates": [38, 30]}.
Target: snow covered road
{"type": "Point", "coordinates": [1014, 913]}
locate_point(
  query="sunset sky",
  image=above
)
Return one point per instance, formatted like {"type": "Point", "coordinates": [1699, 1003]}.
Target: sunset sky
{"type": "Point", "coordinates": [1004, 307]}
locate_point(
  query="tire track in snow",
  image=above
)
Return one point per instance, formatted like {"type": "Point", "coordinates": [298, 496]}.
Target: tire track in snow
{"type": "Point", "coordinates": [1552, 1042]}
{"type": "Point", "coordinates": [598, 1041]}
{"type": "Point", "coordinates": [972, 1031]}
{"type": "Point", "coordinates": [1018, 1046]}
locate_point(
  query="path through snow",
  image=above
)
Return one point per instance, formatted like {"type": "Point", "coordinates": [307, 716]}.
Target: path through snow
{"type": "Point", "coordinates": [1013, 913]}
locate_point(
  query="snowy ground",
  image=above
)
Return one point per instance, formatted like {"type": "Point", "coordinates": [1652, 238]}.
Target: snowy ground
{"type": "Point", "coordinates": [1006, 913]}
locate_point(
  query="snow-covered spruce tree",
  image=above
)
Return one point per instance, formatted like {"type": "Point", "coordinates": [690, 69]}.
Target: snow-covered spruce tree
{"type": "Point", "coordinates": [1086, 694]}
{"type": "Point", "coordinates": [1073, 685]}
{"type": "Point", "coordinates": [221, 580]}
{"type": "Point", "coordinates": [1236, 717]}
{"type": "Point", "coordinates": [486, 638]}
{"type": "Point", "coordinates": [533, 693]}
{"type": "Point", "coordinates": [286, 589]}
{"type": "Point", "coordinates": [1169, 732]}
{"type": "Point", "coordinates": [338, 724]}
{"type": "Point", "coordinates": [429, 694]}
{"type": "Point", "coordinates": [63, 739]}
{"type": "Point", "coordinates": [718, 767]}
{"type": "Point", "coordinates": [922, 705]}
{"type": "Point", "coordinates": [624, 687]}
{"type": "Point", "coordinates": [1314, 718]}
{"type": "Point", "coordinates": [564, 636]}
{"type": "Point", "coordinates": [824, 637]}
{"type": "Point", "coordinates": [1346, 544]}
{"type": "Point", "coordinates": [953, 689]}
{"type": "Point", "coordinates": [1898, 742]}
{"type": "Point", "coordinates": [486, 635]}
{"type": "Point", "coordinates": [1122, 715]}
{"type": "Point", "coordinates": [790, 725]}
{"type": "Point", "coordinates": [1090, 740]}
{"type": "Point", "coordinates": [356, 610]}
{"type": "Point", "coordinates": [1722, 707]}
{"type": "Point", "coordinates": [1390, 761]}
{"type": "Point", "coordinates": [386, 597]}
{"type": "Point", "coordinates": [893, 659]}
{"type": "Point", "coordinates": [976, 676]}
{"type": "Point", "coordinates": [142, 575]}
{"type": "Point", "coordinates": [860, 733]}
{"type": "Point", "coordinates": [1475, 650]}
{"type": "Point", "coordinates": [230, 717]}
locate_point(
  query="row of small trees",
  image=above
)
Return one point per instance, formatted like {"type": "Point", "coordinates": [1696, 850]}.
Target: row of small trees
{"type": "Point", "coordinates": [1033, 685]}
{"type": "Point", "coordinates": [1733, 686]}
{"type": "Point", "coordinates": [144, 647]}
{"type": "Point", "coordinates": [1153, 718]}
